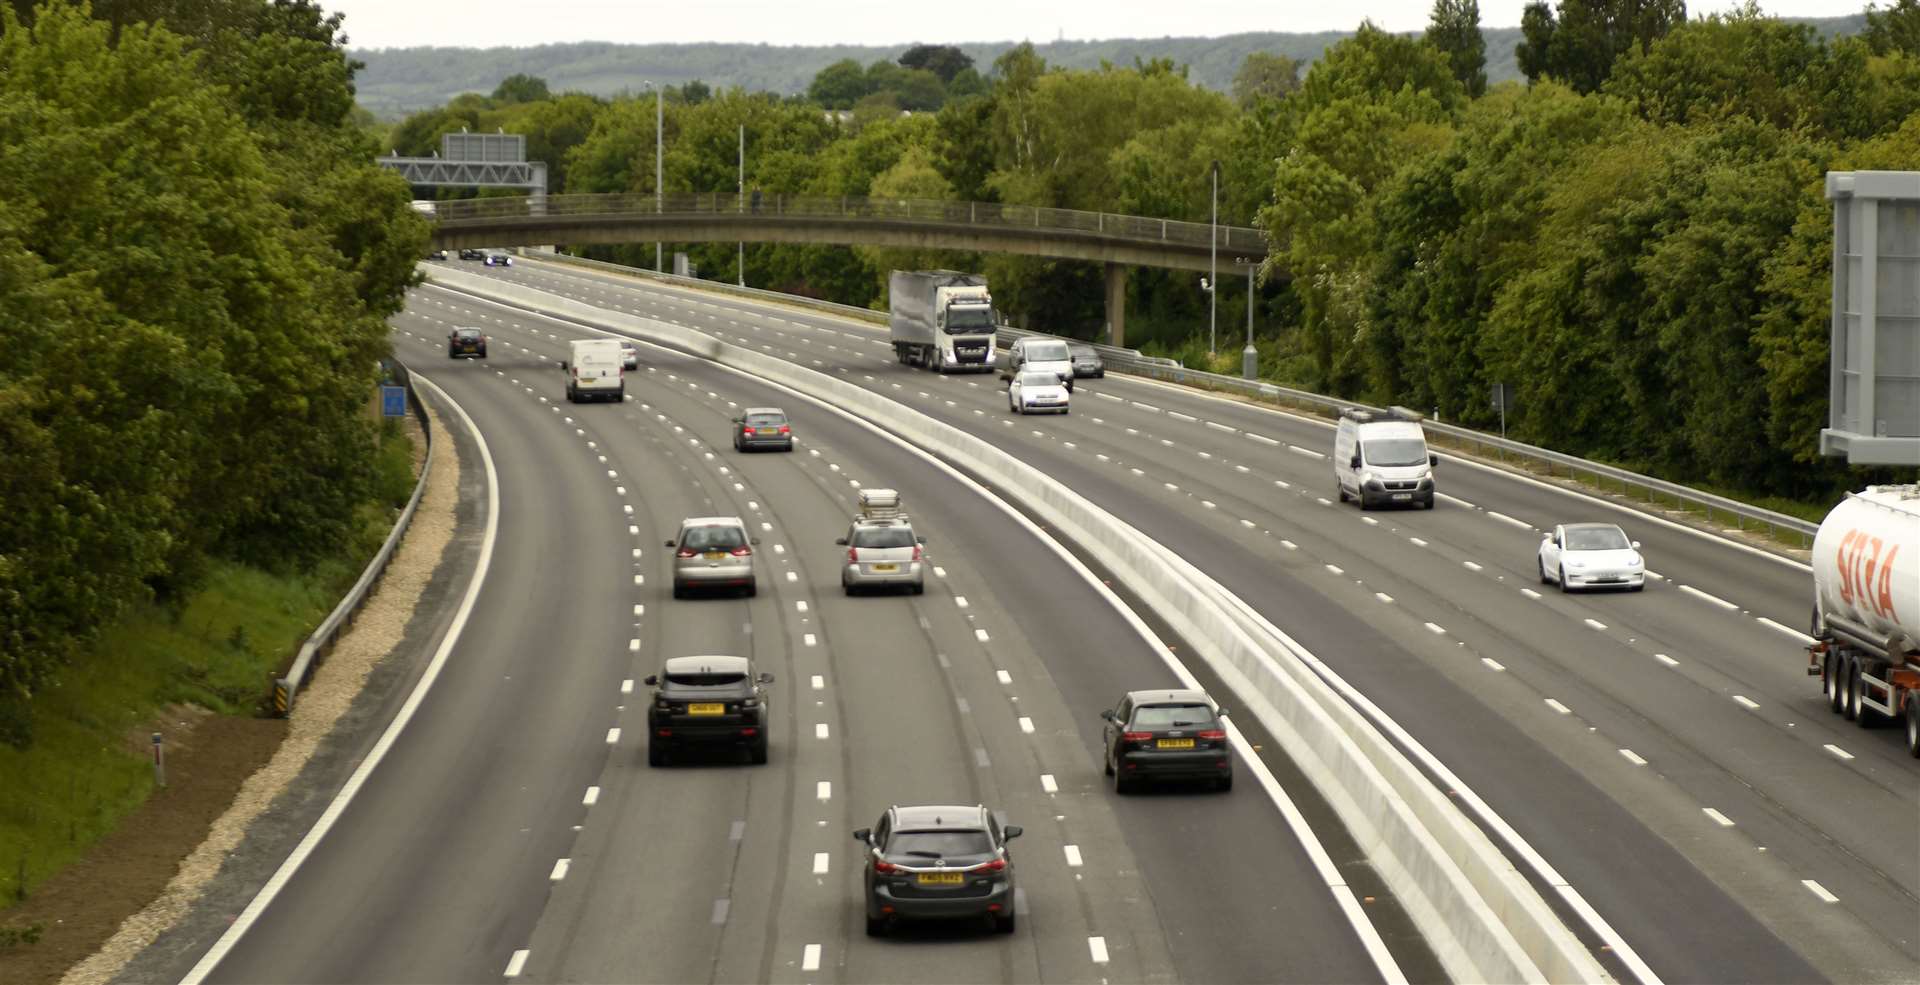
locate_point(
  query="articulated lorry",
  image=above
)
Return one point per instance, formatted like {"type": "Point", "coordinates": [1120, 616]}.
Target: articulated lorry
{"type": "Point", "coordinates": [941, 319]}
{"type": "Point", "coordinates": [1866, 608]}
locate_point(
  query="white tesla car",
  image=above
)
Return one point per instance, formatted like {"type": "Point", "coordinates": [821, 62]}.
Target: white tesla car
{"type": "Point", "coordinates": [1591, 555]}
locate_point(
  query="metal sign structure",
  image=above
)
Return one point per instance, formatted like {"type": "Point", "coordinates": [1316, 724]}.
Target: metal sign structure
{"type": "Point", "coordinates": [1874, 403]}
{"type": "Point", "coordinates": [475, 160]}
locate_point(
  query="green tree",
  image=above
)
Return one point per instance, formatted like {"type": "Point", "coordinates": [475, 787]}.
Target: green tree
{"type": "Point", "coordinates": [1894, 29]}
{"type": "Point", "coordinates": [1580, 43]}
{"type": "Point", "coordinates": [696, 92]}
{"type": "Point", "coordinates": [1454, 29]}
{"type": "Point", "coordinates": [942, 60]}
{"type": "Point", "coordinates": [521, 88]}
{"type": "Point", "coordinates": [1264, 75]}
{"type": "Point", "coordinates": [839, 85]}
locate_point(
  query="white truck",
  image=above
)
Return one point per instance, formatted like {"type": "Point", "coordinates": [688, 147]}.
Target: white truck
{"type": "Point", "coordinates": [1866, 608]}
{"type": "Point", "coordinates": [941, 319]}
{"type": "Point", "coordinates": [596, 370]}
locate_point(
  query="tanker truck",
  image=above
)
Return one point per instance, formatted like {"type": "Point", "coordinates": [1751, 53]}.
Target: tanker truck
{"type": "Point", "coordinates": [1866, 608]}
{"type": "Point", "coordinates": [941, 319]}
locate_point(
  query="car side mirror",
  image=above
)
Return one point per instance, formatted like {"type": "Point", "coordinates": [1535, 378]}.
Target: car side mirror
{"type": "Point", "coordinates": [651, 680]}
{"type": "Point", "coordinates": [863, 834]}
{"type": "Point", "coordinates": [1354, 462]}
{"type": "Point", "coordinates": [1219, 713]}
{"type": "Point", "coordinates": [1011, 832]}
{"type": "Point", "coordinates": [1433, 461]}
{"type": "Point", "coordinates": [1545, 538]}
{"type": "Point", "coordinates": [1636, 545]}
{"type": "Point", "coordinates": [842, 541]}
{"type": "Point", "coordinates": [1107, 714]}
{"type": "Point", "coordinates": [754, 541]}
{"type": "Point", "coordinates": [563, 364]}
{"type": "Point", "coordinates": [735, 420]}
{"type": "Point", "coordinates": [923, 541]}
{"type": "Point", "coordinates": [669, 543]}
{"type": "Point", "coordinates": [765, 678]}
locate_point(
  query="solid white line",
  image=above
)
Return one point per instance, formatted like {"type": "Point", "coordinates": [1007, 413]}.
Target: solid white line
{"type": "Point", "coordinates": [1669, 661]}
{"type": "Point", "coordinates": [820, 863]}
{"type": "Point", "coordinates": [1789, 630]}
{"type": "Point", "coordinates": [1073, 856]}
{"type": "Point", "coordinates": [1595, 624]}
{"type": "Point", "coordinates": [823, 790]}
{"type": "Point", "coordinates": [514, 965]}
{"type": "Point", "coordinates": [1718, 818]}
{"type": "Point", "coordinates": [1715, 599]}
{"type": "Point", "coordinates": [1836, 750]}
{"type": "Point", "coordinates": [980, 634]}
{"type": "Point", "coordinates": [592, 797]}
{"type": "Point", "coordinates": [1746, 702]}
{"type": "Point", "coordinates": [1097, 946]}
{"type": "Point", "coordinates": [1026, 725]}
{"type": "Point", "coordinates": [1436, 629]}
{"type": "Point", "coordinates": [278, 881]}
{"type": "Point", "coordinates": [1522, 524]}
{"type": "Point", "coordinates": [820, 731]}
{"type": "Point", "coordinates": [613, 736]}
{"type": "Point", "coordinates": [559, 870]}
{"type": "Point", "coordinates": [1493, 664]}
{"type": "Point", "coordinates": [1557, 706]}
{"type": "Point", "coordinates": [810, 958]}
{"type": "Point", "coordinates": [1047, 783]}
{"type": "Point", "coordinates": [1820, 891]}
{"type": "Point", "coordinates": [1633, 757]}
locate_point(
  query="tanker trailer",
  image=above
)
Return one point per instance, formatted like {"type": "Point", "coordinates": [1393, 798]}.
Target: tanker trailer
{"type": "Point", "coordinates": [1866, 608]}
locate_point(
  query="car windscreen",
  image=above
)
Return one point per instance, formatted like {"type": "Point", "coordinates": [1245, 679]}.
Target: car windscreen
{"type": "Point", "coordinates": [1171, 716]}
{"type": "Point", "coordinates": [712, 538]}
{"type": "Point", "coordinates": [467, 333]}
{"type": "Point", "coordinates": [940, 844]}
{"type": "Point", "coordinates": [729, 679]}
{"type": "Point", "coordinates": [765, 420]}
{"type": "Point", "coordinates": [1047, 352]}
{"type": "Point", "coordinates": [1596, 539]}
{"type": "Point", "coordinates": [1039, 379]}
{"type": "Point", "coordinates": [1391, 452]}
{"type": "Point", "coordinates": [881, 537]}
{"type": "Point", "coordinates": [1083, 354]}
{"type": "Point", "coordinates": [969, 320]}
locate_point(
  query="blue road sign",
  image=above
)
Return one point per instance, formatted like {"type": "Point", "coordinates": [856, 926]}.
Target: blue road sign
{"type": "Point", "coordinates": [393, 401]}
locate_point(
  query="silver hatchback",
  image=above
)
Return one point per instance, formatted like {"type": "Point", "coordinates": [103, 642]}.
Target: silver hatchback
{"type": "Point", "coordinates": [883, 554]}
{"type": "Point", "coordinates": [713, 552]}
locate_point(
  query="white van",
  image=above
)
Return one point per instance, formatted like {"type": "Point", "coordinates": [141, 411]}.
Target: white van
{"type": "Point", "coordinates": [1382, 460]}
{"type": "Point", "coordinates": [596, 370]}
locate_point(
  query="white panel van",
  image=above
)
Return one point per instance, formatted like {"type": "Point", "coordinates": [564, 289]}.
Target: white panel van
{"type": "Point", "coordinates": [596, 370]}
{"type": "Point", "coordinates": [1382, 460]}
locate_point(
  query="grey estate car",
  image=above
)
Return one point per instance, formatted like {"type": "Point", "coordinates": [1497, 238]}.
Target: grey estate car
{"type": "Point", "coordinates": [762, 427]}
{"type": "Point", "coordinates": [713, 552]}
{"type": "Point", "coordinates": [938, 862]}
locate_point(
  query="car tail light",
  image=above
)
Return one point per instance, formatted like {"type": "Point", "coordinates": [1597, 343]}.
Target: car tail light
{"type": "Point", "coordinates": [1213, 733]}
{"type": "Point", "coordinates": [916, 552]}
{"type": "Point", "coordinates": [749, 732]}
{"type": "Point", "coordinates": [1137, 736]}
{"type": "Point", "coordinates": [785, 430]}
{"type": "Point", "coordinates": [745, 431]}
{"type": "Point", "coordinates": [685, 552]}
{"type": "Point", "coordinates": [994, 866]}
{"type": "Point", "coordinates": [853, 555]}
{"type": "Point", "coordinates": [883, 867]}
{"type": "Point", "coordinates": [741, 551]}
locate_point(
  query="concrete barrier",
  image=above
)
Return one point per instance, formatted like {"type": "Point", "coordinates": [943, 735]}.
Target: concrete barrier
{"type": "Point", "coordinates": [1482, 918]}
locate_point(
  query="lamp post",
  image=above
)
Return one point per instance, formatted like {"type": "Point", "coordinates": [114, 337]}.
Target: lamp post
{"type": "Point", "coordinates": [1249, 357]}
{"type": "Point", "coordinates": [659, 165]}
{"type": "Point", "coordinates": [1213, 266]}
{"type": "Point", "coordinates": [740, 248]}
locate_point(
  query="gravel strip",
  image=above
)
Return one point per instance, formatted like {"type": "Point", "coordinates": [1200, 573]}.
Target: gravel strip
{"type": "Point", "coordinates": [377, 629]}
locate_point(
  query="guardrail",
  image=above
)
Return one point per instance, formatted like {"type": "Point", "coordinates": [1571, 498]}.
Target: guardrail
{"type": "Point", "coordinates": [314, 651]}
{"type": "Point", "coordinates": [1133, 362]}
{"type": "Point", "coordinates": [997, 214]}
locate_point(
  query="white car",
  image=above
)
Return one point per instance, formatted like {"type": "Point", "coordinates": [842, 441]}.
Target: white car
{"type": "Point", "coordinates": [1591, 555]}
{"type": "Point", "coordinates": [1037, 390]}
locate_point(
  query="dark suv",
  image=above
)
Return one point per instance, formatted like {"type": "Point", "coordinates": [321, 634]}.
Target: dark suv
{"type": "Point", "coordinates": [941, 862]}
{"type": "Point", "coordinates": [471, 253]}
{"type": "Point", "coordinates": [707, 700]}
{"type": "Point", "coordinates": [1167, 734]}
{"type": "Point", "coordinates": [466, 342]}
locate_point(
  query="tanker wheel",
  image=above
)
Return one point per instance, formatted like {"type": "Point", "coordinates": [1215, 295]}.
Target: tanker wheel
{"type": "Point", "coordinates": [1851, 700]}
{"type": "Point", "coordinates": [1913, 725]}
{"type": "Point", "coordinates": [1834, 681]}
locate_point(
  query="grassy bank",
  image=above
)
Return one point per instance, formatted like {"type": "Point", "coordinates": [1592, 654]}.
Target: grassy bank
{"type": "Point", "coordinates": [91, 759]}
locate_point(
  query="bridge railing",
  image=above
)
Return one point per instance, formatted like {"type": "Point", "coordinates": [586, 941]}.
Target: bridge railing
{"type": "Point", "coordinates": [1241, 240]}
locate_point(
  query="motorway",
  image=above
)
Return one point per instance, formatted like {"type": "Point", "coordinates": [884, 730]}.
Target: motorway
{"type": "Point", "coordinates": [515, 829]}
{"type": "Point", "coordinates": [1663, 751]}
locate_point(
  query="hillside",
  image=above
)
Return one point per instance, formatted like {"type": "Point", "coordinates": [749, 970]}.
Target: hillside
{"type": "Point", "coordinates": [399, 80]}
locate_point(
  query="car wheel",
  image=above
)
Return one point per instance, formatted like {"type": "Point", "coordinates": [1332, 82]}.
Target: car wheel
{"type": "Point", "coordinates": [1122, 784]}
{"type": "Point", "coordinates": [1106, 765]}
{"type": "Point", "coordinates": [1562, 578]}
{"type": "Point", "coordinates": [1341, 491]}
{"type": "Point", "coordinates": [1832, 684]}
{"type": "Point", "coordinates": [1428, 504]}
{"type": "Point", "coordinates": [656, 755]}
{"type": "Point", "coordinates": [753, 589]}
{"type": "Point", "coordinates": [920, 588]}
{"type": "Point", "coordinates": [758, 753]}
{"type": "Point", "coordinates": [1640, 587]}
{"type": "Point", "coordinates": [876, 926]}
{"type": "Point", "coordinates": [679, 590]}
{"type": "Point", "coordinates": [1913, 726]}
{"type": "Point", "coordinates": [1850, 697]}
{"type": "Point", "coordinates": [1003, 923]}
{"type": "Point", "coordinates": [1225, 783]}
{"type": "Point", "coordinates": [1542, 566]}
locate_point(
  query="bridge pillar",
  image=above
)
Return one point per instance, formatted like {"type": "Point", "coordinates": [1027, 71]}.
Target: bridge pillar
{"type": "Point", "coordinates": [1117, 305]}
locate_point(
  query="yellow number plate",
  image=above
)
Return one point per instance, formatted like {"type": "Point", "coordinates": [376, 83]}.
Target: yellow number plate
{"type": "Point", "coordinates": [941, 879]}
{"type": "Point", "coordinates": [1176, 743]}
{"type": "Point", "coordinates": [718, 709]}
{"type": "Point", "coordinates": [878, 568]}
{"type": "Point", "coordinates": [716, 555]}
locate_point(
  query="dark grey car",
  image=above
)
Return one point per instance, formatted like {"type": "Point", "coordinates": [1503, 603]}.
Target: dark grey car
{"type": "Point", "coordinates": [938, 862]}
{"type": "Point", "coordinates": [1087, 362]}
{"type": "Point", "coordinates": [707, 701]}
{"type": "Point", "coordinates": [1153, 735]}
{"type": "Point", "coordinates": [762, 427]}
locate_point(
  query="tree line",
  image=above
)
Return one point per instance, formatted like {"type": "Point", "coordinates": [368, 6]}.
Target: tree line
{"type": "Point", "coordinates": [197, 262]}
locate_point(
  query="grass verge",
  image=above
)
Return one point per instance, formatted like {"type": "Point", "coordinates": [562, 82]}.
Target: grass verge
{"type": "Point", "coordinates": [160, 668]}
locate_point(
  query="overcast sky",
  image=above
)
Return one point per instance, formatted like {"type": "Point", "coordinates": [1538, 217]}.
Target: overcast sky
{"type": "Point", "coordinates": [488, 23]}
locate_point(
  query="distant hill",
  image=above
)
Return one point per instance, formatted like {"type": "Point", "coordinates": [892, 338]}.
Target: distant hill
{"type": "Point", "coordinates": [397, 81]}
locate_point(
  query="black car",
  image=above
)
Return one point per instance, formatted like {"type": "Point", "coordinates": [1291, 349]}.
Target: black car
{"type": "Point", "coordinates": [707, 701]}
{"type": "Point", "coordinates": [938, 862]}
{"type": "Point", "coordinates": [1087, 362]}
{"type": "Point", "coordinates": [469, 253]}
{"type": "Point", "coordinates": [1167, 735]}
{"type": "Point", "coordinates": [497, 258]}
{"type": "Point", "coordinates": [437, 255]}
{"type": "Point", "coordinates": [762, 427]}
{"type": "Point", "coordinates": [466, 342]}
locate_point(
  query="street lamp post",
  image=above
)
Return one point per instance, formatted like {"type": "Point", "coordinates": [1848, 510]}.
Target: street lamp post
{"type": "Point", "coordinates": [659, 166]}
{"type": "Point", "coordinates": [1213, 267]}
{"type": "Point", "coordinates": [1250, 357]}
{"type": "Point", "coordinates": [740, 260]}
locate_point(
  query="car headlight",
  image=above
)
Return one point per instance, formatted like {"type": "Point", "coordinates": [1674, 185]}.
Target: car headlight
{"type": "Point", "coordinates": [1635, 561]}
{"type": "Point", "coordinates": [1369, 479]}
{"type": "Point", "coordinates": [1576, 565]}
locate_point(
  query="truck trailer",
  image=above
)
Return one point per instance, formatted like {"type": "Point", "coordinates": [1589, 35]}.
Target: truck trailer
{"type": "Point", "coordinates": [1866, 608]}
{"type": "Point", "coordinates": [941, 319]}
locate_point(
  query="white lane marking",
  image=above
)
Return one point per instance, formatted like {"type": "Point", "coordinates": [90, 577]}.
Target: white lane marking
{"type": "Point", "coordinates": [1789, 630]}
{"type": "Point", "coordinates": [1369, 521]}
{"type": "Point", "coordinates": [1310, 453]}
{"type": "Point", "coordinates": [1108, 396]}
{"type": "Point", "coordinates": [819, 683]}
{"type": "Point", "coordinates": [1655, 575]}
{"type": "Point", "coordinates": [800, 606]}
{"type": "Point", "coordinates": [1417, 542]}
{"type": "Point", "coordinates": [1493, 664]}
{"type": "Point", "coordinates": [633, 646]}
{"type": "Point", "coordinates": [779, 548]}
{"type": "Point", "coordinates": [626, 686]}
{"type": "Point", "coordinates": [1384, 597]}
{"type": "Point", "coordinates": [980, 634]}
{"type": "Point", "coordinates": [1503, 518]}
{"type": "Point", "coordinates": [1555, 704]}
{"type": "Point", "coordinates": [1263, 439]}
{"type": "Point", "coordinates": [1836, 750]}
{"type": "Point", "coordinates": [1248, 523]}
{"type": "Point", "coordinates": [1715, 599]}
{"type": "Point", "coordinates": [1632, 757]}
{"type": "Point", "coordinates": [1003, 676]}
{"type": "Point", "coordinates": [1470, 566]}
{"type": "Point", "coordinates": [1457, 501]}
{"type": "Point", "coordinates": [960, 600]}
{"type": "Point", "coordinates": [1820, 891]}
{"type": "Point", "coordinates": [639, 579]}
{"type": "Point", "coordinates": [820, 731]}
{"type": "Point", "coordinates": [1102, 457]}
{"type": "Point", "coordinates": [620, 490]}
{"type": "Point", "coordinates": [1289, 545]}
{"type": "Point", "coordinates": [1669, 661]}
{"type": "Point", "coordinates": [1137, 471]}
{"type": "Point", "coordinates": [1073, 856]}
{"type": "Point", "coordinates": [1047, 783]}
{"type": "Point", "coordinates": [1142, 406]}
{"type": "Point", "coordinates": [1026, 725]}
{"type": "Point", "coordinates": [1323, 501]}
{"type": "Point", "coordinates": [626, 508]}
{"type": "Point", "coordinates": [1436, 629]}
{"type": "Point", "coordinates": [810, 958]}
{"type": "Point", "coordinates": [1530, 593]}
{"type": "Point", "coordinates": [939, 571]}
{"type": "Point", "coordinates": [1171, 487]}
{"type": "Point", "coordinates": [823, 790]}
{"type": "Point", "coordinates": [1336, 569]}
{"type": "Point", "coordinates": [820, 863]}
{"type": "Point", "coordinates": [613, 736]}
{"type": "Point", "coordinates": [1718, 818]}
{"type": "Point", "coordinates": [559, 870]}
{"type": "Point", "coordinates": [1282, 483]}
{"type": "Point", "coordinates": [810, 640]}
{"type": "Point", "coordinates": [1595, 624]}
{"type": "Point", "coordinates": [1208, 503]}
{"type": "Point", "coordinates": [1230, 429]}
{"type": "Point", "coordinates": [1180, 416]}
{"type": "Point", "coordinates": [1241, 468]}
{"type": "Point", "coordinates": [517, 963]}
{"type": "Point", "coordinates": [592, 797]}
{"type": "Point", "coordinates": [1097, 946]}
{"type": "Point", "coordinates": [793, 576]}
{"type": "Point", "coordinates": [1746, 702]}
{"type": "Point", "coordinates": [634, 530]}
